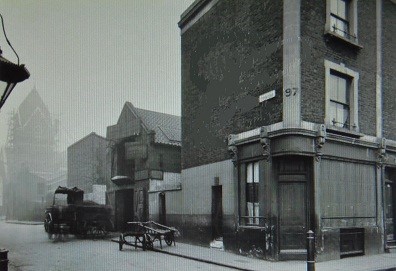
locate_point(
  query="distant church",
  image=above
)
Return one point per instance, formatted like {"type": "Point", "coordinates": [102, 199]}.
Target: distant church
{"type": "Point", "coordinates": [31, 158]}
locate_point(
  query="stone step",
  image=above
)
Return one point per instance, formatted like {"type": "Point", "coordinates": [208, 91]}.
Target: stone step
{"type": "Point", "coordinates": [391, 246]}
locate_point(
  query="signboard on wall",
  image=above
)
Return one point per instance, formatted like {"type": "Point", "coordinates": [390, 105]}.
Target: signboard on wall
{"type": "Point", "coordinates": [266, 96]}
{"type": "Point", "coordinates": [135, 151]}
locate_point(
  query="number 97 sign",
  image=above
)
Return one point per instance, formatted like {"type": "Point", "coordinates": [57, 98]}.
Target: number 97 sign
{"type": "Point", "coordinates": [291, 92]}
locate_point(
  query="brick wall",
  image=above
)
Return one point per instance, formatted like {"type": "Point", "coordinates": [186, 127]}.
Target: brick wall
{"type": "Point", "coordinates": [230, 56]}
{"type": "Point", "coordinates": [389, 67]}
{"type": "Point", "coordinates": [316, 47]}
{"type": "Point", "coordinates": [86, 162]}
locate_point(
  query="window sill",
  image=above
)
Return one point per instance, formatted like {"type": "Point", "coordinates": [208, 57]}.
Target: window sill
{"type": "Point", "coordinates": [332, 35]}
{"type": "Point", "coordinates": [251, 227]}
{"type": "Point", "coordinates": [343, 131]}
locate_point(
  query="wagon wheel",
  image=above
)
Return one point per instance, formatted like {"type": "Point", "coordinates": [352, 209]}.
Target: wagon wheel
{"type": "Point", "coordinates": [149, 243]}
{"type": "Point", "coordinates": [100, 231]}
{"type": "Point", "coordinates": [46, 222]}
{"type": "Point", "coordinates": [169, 239]}
{"type": "Point", "coordinates": [82, 229]}
{"type": "Point", "coordinates": [49, 225]}
{"type": "Point", "coordinates": [120, 242]}
{"type": "Point", "coordinates": [96, 230]}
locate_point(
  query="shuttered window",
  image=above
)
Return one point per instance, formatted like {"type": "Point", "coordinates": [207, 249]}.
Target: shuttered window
{"type": "Point", "coordinates": [341, 97]}
{"type": "Point", "coordinates": [339, 17]}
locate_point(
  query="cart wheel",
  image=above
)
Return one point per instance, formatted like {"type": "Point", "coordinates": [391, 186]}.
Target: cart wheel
{"type": "Point", "coordinates": [149, 242]}
{"type": "Point", "coordinates": [46, 225]}
{"type": "Point", "coordinates": [98, 232]}
{"type": "Point", "coordinates": [168, 239]}
{"type": "Point", "coordinates": [120, 242]}
{"type": "Point", "coordinates": [82, 229]}
{"type": "Point", "coordinates": [49, 225]}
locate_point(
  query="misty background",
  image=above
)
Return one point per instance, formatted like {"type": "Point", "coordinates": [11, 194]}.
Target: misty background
{"type": "Point", "coordinates": [87, 58]}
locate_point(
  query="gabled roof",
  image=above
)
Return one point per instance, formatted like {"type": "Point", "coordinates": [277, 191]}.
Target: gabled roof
{"type": "Point", "coordinates": [30, 106]}
{"type": "Point", "coordinates": [92, 134]}
{"type": "Point", "coordinates": [167, 127]}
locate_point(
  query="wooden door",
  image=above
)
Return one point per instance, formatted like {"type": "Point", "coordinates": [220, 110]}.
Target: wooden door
{"type": "Point", "coordinates": [162, 208]}
{"type": "Point", "coordinates": [123, 208]}
{"type": "Point", "coordinates": [292, 215]}
{"type": "Point", "coordinates": [217, 211]}
{"type": "Point", "coordinates": [128, 205]}
{"type": "Point", "coordinates": [390, 212]}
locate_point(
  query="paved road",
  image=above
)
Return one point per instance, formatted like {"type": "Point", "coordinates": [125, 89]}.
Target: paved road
{"type": "Point", "coordinates": [30, 250]}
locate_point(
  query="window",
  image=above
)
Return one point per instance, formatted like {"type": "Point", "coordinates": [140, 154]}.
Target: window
{"type": "Point", "coordinates": [339, 18]}
{"type": "Point", "coordinates": [252, 192]}
{"type": "Point", "coordinates": [389, 200]}
{"type": "Point", "coordinates": [341, 97]}
{"type": "Point", "coordinates": [342, 19]}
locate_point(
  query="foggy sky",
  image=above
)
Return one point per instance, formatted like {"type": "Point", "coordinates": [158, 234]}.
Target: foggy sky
{"type": "Point", "coordinates": [87, 58]}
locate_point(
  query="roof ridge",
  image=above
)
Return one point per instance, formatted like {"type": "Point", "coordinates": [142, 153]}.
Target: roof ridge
{"type": "Point", "coordinates": [157, 112]}
{"type": "Point", "coordinates": [134, 111]}
{"type": "Point", "coordinates": [85, 137]}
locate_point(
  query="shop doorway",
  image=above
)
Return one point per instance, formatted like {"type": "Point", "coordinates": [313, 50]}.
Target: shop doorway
{"type": "Point", "coordinates": [294, 208]}
{"type": "Point", "coordinates": [217, 211]}
{"type": "Point", "coordinates": [124, 211]}
{"type": "Point", "coordinates": [162, 208]}
{"type": "Point", "coordinates": [390, 198]}
{"type": "Point", "coordinates": [292, 213]}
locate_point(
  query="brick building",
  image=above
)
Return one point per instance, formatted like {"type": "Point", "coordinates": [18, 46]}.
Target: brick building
{"type": "Point", "coordinates": [86, 162]}
{"type": "Point", "coordinates": [288, 124]}
{"type": "Point", "coordinates": [144, 159]}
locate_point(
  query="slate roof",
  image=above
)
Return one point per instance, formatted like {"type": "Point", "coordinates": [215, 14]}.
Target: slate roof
{"type": "Point", "coordinates": [167, 127]}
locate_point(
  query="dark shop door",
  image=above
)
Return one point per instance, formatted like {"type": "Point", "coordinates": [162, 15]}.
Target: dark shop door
{"type": "Point", "coordinates": [217, 211]}
{"type": "Point", "coordinates": [123, 208]}
{"type": "Point", "coordinates": [128, 205]}
{"type": "Point", "coordinates": [292, 215]}
{"type": "Point", "coordinates": [162, 209]}
{"type": "Point", "coordinates": [390, 197]}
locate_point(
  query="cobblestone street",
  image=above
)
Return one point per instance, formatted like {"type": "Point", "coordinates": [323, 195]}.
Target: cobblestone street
{"type": "Point", "coordinates": [30, 250]}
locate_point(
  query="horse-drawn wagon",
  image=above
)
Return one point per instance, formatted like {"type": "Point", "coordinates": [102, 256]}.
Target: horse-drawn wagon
{"type": "Point", "coordinates": [70, 214]}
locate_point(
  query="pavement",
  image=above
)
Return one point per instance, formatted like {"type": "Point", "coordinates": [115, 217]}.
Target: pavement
{"type": "Point", "coordinates": [24, 222]}
{"type": "Point", "coordinates": [381, 262]}
{"type": "Point", "coordinates": [217, 258]}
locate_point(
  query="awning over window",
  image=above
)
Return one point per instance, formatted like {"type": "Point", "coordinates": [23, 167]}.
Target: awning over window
{"type": "Point", "coordinates": [121, 180]}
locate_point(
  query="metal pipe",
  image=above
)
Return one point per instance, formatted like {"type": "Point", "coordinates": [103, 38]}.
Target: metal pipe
{"type": "Point", "coordinates": [310, 251]}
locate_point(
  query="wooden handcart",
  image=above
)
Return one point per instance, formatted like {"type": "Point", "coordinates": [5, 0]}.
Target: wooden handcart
{"type": "Point", "coordinates": [158, 232]}
{"type": "Point", "coordinates": [144, 234]}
